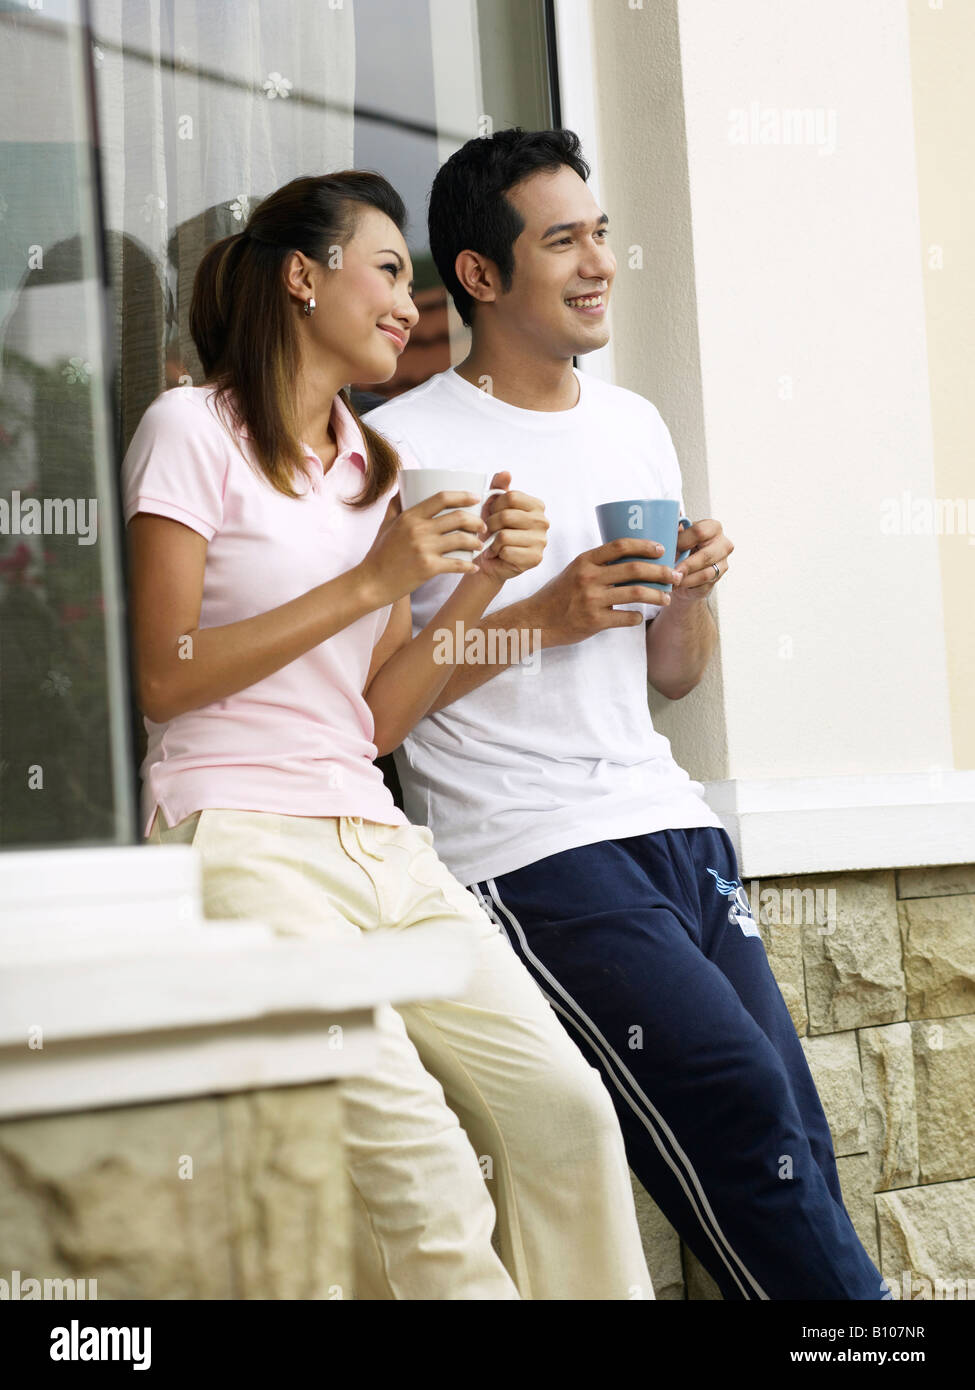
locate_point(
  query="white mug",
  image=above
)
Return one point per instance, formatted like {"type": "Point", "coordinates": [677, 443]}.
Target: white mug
{"type": "Point", "coordinates": [417, 484]}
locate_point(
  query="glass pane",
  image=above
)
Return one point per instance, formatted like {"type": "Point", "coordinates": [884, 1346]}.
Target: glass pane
{"type": "Point", "coordinates": [65, 755]}
{"type": "Point", "coordinates": [430, 75]}
{"type": "Point", "coordinates": [514, 65]}
{"type": "Point", "coordinates": [200, 116]}
{"type": "Point", "coordinates": [204, 109]}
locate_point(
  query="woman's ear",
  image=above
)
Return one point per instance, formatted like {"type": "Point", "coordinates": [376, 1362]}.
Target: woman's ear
{"type": "Point", "coordinates": [296, 275]}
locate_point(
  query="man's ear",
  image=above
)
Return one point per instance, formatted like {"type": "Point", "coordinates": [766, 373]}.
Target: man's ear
{"type": "Point", "coordinates": [477, 275]}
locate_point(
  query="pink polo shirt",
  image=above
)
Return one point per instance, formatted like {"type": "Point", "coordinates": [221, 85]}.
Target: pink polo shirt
{"type": "Point", "coordinates": [298, 742]}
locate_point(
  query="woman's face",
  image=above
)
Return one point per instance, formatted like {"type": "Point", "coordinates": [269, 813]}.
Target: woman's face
{"type": "Point", "coordinates": [364, 313]}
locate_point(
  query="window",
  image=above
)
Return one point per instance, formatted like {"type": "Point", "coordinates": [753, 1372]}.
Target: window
{"type": "Point", "coordinates": [202, 109]}
{"type": "Point", "coordinates": [430, 74]}
{"type": "Point", "coordinates": [65, 756]}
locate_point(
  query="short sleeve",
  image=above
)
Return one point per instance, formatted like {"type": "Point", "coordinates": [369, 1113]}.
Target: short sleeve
{"type": "Point", "coordinates": [176, 465]}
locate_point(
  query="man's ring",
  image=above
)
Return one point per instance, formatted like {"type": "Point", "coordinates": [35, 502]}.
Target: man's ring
{"type": "Point", "coordinates": [717, 572]}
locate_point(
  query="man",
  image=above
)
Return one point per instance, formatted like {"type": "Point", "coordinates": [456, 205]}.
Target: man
{"type": "Point", "coordinates": [546, 787]}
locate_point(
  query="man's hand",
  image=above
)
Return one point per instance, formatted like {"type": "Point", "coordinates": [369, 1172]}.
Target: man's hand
{"type": "Point", "coordinates": [579, 601]}
{"type": "Point", "coordinates": [681, 641]}
{"type": "Point", "coordinates": [709, 546]}
{"type": "Point", "coordinates": [516, 526]}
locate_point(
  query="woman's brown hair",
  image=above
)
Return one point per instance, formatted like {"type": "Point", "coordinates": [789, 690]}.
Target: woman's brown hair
{"type": "Point", "coordinates": [243, 322]}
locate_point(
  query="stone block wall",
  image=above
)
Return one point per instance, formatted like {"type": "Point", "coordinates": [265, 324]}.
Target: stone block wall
{"type": "Point", "coordinates": [236, 1196]}
{"type": "Point", "coordinates": [878, 971]}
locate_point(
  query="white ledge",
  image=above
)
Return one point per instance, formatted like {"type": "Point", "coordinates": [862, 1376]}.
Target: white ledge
{"type": "Point", "coordinates": [108, 999]}
{"type": "Point", "coordinates": [225, 972]}
{"type": "Point", "coordinates": [133, 886]}
{"type": "Point", "coordinates": [806, 825]}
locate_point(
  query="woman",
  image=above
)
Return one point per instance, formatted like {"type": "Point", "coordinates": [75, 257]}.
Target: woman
{"type": "Point", "coordinates": [271, 569]}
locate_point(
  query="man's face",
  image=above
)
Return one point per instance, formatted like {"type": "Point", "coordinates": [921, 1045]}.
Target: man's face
{"type": "Point", "coordinates": [564, 268]}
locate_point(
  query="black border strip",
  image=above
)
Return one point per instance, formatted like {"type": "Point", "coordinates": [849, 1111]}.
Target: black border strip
{"type": "Point", "coordinates": [130, 832]}
{"type": "Point", "coordinates": [552, 54]}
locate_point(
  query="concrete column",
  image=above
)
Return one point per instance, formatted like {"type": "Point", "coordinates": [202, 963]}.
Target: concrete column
{"type": "Point", "coordinates": [757, 162]}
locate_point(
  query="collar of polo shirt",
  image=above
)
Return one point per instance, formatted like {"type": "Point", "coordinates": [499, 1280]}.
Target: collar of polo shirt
{"type": "Point", "coordinates": [348, 436]}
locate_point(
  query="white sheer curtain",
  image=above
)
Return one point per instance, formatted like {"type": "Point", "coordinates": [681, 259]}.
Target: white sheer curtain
{"type": "Point", "coordinates": [205, 107]}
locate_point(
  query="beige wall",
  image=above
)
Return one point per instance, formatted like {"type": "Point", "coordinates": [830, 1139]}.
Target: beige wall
{"type": "Point", "coordinates": [942, 45]}
{"type": "Point", "coordinates": [644, 186]}
{"type": "Point", "coordinates": [778, 322]}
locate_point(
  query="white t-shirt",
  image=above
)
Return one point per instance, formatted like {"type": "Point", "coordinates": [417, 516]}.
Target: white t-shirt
{"type": "Point", "coordinates": [558, 751]}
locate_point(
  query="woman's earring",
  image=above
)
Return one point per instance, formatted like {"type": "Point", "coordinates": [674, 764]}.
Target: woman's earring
{"type": "Point", "coordinates": [309, 307]}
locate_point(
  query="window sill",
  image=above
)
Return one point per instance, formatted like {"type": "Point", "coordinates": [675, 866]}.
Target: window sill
{"type": "Point", "coordinates": [808, 825]}
{"type": "Point", "coordinates": [100, 1006]}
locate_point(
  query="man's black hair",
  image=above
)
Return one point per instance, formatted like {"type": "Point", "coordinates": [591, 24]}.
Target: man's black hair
{"type": "Point", "coordinates": [468, 209]}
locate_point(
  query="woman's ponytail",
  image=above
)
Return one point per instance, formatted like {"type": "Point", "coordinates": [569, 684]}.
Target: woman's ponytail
{"type": "Point", "coordinates": [211, 304]}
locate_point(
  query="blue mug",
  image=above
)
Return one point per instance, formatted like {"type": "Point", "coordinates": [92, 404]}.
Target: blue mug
{"type": "Point", "coordinates": [652, 520]}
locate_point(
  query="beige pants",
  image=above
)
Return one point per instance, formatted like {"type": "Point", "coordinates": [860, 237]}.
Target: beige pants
{"type": "Point", "coordinates": [539, 1134]}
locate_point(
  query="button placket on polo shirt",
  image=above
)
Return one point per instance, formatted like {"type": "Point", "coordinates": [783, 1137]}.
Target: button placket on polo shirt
{"type": "Point", "coordinates": [322, 486]}
{"type": "Point", "coordinates": [344, 478]}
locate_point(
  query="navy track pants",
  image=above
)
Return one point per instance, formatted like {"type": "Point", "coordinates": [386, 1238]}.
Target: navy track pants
{"type": "Point", "coordinates": [645, 948]}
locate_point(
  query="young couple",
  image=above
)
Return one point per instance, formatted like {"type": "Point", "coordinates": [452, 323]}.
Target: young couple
{"type": "Point", "coordinates": [267, 544]}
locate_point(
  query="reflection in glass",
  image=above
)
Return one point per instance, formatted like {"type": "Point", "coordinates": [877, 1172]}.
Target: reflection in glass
{"type": "Point", "coordinates": [430, 75]}
{"type": "Point", "coordinates": [65, 761]}
{"type": "Point", "coordinates": [200, 116]}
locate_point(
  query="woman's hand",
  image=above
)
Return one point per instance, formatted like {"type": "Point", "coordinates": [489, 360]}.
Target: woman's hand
{"type": "Point", "coordinates": [517, 525]}
{"type": "Point", "coordinates": [410, 546]}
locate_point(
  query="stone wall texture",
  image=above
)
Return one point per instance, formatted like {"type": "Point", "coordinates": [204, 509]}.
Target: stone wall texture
{"type": "Point", "coordinates": [878, 971]}
{"type": "Point", "coordinates": [245, 1196]}
{"type": "Point", "coordinates": [235, 1196]}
